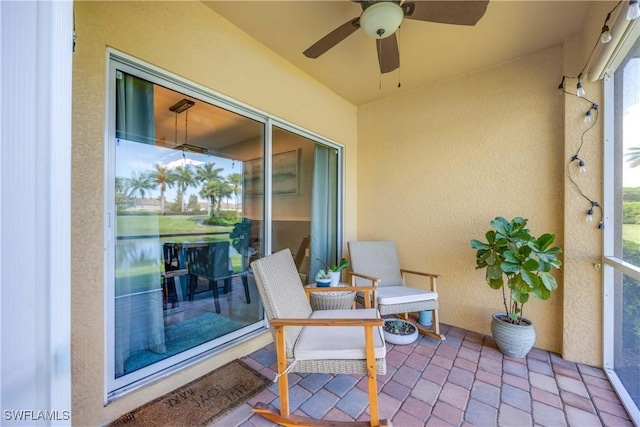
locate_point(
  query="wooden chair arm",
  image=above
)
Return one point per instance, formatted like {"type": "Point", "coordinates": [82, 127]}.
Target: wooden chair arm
{"type": "Point", "coordinates": [374, 280]}
{"type": "Point", "coordinates": [342, 289]}
{"type": "Point", "coordinates": [281, 322]}
{"type": "Point", "coordinates": [433, 278]}
{"type": "Point", "coordinates": [419, 273]}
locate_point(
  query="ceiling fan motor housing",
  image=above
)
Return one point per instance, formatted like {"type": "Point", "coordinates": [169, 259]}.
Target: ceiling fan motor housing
{"type": "Point", "coordinates": [381, 19]}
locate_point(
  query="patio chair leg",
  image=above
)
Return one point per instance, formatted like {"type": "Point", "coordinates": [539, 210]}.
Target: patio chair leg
{"type": "Point", "coordinates": [245, 283]}
{"type": "Point", "coordinates": [213, 284]}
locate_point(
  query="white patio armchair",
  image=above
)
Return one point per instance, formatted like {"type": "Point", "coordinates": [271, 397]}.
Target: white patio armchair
{"type": "Point", "coordinates": [376, 262]}
{"type": "Point", "coordinates": [322, 341]}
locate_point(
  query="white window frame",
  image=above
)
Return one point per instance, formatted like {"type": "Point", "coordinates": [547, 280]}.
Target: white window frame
{"type": "Point", "coordinates": [612, 264]}
{"type": "Point", "coordinates": [117, 387]}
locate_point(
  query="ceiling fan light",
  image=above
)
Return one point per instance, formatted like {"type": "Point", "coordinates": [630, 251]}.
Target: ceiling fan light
{"type": "Point", "coordinates": [381, 19]}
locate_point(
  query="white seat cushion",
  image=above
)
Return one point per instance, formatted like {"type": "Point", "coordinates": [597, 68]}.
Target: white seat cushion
{"type": "Point", "coordinates": [388, 295]}
{"type": "Point", "coordinates": [338, 342]}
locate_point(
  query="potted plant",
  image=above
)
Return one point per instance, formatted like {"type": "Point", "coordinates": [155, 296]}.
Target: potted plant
{"type": "Point", "coordinates": [513, 259]}
{"type": "Point", "coordinates": [399, 331]}
{"type": "Point", "coordinates": [323, 278]}
{"type": "Point", "coordinates": [335, 271]}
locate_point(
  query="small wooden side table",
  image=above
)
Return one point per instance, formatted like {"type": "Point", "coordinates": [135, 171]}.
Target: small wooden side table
{"type": "Point", "coordinates": [337, 300]}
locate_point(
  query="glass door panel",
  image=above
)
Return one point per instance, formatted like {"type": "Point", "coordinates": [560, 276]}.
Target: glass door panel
{"type": "Point", "coordinates": [304, 201]}
{"type": "Point", "coordinates": [622, 239]}
{"type": "Point", "coordinates": [185, 229]}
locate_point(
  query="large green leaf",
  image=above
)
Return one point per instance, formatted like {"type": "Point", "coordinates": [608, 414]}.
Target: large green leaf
{"type": "Point", "coordinates": [477, 244]}
{"type": "Point", "coordinates": [530, 265]}
{"type": "Point", "coordinates": [501, 225]}
{"type": "Point", "coordinates": [549, 281]}
{"type": "Point", "coordinates": [494, 272]}
{"type": "Point", "coordinates": [544, 241]}
{"type": "Point", "coordinates": [509, 256]}
{"type": "Point", "coordinates": [518, 296]}
{"type": "Point", "coordinates": [541, 293]}
{"type": "Point", "coordinates": [516, 282]}
{"type": "Point", "coordinates": [509, 267]}
{"type": "Point", "coordinates": [496, 283]}
{"type": "Point", "coordinates": [530, 279]}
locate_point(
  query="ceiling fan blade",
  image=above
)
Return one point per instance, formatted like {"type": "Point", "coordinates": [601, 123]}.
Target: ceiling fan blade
{"type": "Point", "coordinates": [333, 38]}
{"type": "Point", "coordinates": [447, 12]}
{"type": "Point", "coordinates": [388, 55]}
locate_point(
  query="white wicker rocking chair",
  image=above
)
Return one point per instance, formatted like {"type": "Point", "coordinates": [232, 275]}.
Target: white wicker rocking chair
{"type": "Point", "coordinates": [323, 341]}
{"type": "Point", "coordinates": [376, 262]}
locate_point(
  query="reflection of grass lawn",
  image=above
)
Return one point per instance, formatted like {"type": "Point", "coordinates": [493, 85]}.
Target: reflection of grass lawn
{"type": "Point", "coordinates": [631, 232]}
{"type": "Point", "coordinates": [169, 224]}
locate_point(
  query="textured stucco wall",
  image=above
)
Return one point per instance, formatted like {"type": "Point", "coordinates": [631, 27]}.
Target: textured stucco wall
{"type": "Point", "coordinates": [583, 301]}
{"type": "Point", "coordinates": [435, 165]}
{"type": "Point", "coordinates": [190, 40]}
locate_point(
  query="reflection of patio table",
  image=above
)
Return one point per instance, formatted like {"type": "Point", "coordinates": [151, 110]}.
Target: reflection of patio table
{"type": "Point", "coordinates": [331, 300]}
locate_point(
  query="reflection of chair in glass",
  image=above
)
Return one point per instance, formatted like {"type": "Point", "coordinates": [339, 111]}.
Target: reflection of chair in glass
{"type": "Point", "coordinates": [372, 261]}
{"type": "Point", "coordinates": [323, 341]}
{"type": "Point", "coordinates": [210, 261]}
{"type": "Point", "coordinates": [171, 258]}
{"type": "Point", "coordinates": [240, 239]}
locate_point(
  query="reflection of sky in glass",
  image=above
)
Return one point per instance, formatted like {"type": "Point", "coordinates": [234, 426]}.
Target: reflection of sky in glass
{"type": "Point", "coordinates": [137, 157]}
{"type": "Point", "coordinates": [631, 119]}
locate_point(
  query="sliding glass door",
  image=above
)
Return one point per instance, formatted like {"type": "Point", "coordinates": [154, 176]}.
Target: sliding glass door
{"type": "Point", "coordinates": [622, 235]}
{"type": "Point", "coordinates": [189, 206]}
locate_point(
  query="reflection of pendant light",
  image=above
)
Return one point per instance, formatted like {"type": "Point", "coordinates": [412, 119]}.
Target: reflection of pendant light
{"type": "Point", "coordinates": [178, 108]}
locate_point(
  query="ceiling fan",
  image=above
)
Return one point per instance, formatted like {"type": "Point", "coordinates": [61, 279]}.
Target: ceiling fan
{"type": "Point", "coordinates": [381, 18]}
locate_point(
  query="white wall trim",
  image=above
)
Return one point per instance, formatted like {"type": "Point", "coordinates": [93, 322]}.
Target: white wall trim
{"type": "Point", "coordinates": [35, 194]}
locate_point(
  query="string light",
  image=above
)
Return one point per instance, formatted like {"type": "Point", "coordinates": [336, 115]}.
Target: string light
{"type": "Point", "coordinates": [633, 12]}
{"type": "Point", "coordinates": [605, 36]}
{"type": "Point", "coordinates": [580, 92]}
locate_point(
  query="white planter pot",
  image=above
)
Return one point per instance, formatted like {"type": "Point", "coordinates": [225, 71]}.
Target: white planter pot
{"type": "Point", "coordinates": [513, 340]}
{"type": "Point", "coordinates": [335, 278]}
{"type": "Point", "coordinates": [400, 339]}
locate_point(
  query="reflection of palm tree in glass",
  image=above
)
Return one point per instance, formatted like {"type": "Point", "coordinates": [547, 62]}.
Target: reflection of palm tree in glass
{"type": "Point", "coordinates": [139, 184]}
{"type": "Point", "coordinates": [208, 173]}
{"type": "Point", "coordinates": [183, 177]}
{"type": "Point", "coordinates": [123, 200]}
{"type": "Point", "coordinates": [164, 178]}
{"type": "Point", "coordinates": [235, 180]}
{"type": "Point", "coordinates": [633, 156]}
{"type": "Point", "coordinates": [215, 191]}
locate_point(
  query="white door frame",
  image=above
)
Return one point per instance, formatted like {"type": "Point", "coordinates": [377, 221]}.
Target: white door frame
{"type": "Point", "coordinates": [36, 41]}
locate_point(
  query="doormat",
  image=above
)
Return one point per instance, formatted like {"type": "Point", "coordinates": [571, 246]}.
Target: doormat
{"type": "Point", "coordinates": [202, 401]}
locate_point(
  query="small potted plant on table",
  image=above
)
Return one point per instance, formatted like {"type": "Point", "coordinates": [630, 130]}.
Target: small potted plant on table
{"type": "Point", "coordinates": [514, 259]}
{"type": "Point", "coordinates": [323, 278]}
{"type": "Point", "coordinates": [335, 271]}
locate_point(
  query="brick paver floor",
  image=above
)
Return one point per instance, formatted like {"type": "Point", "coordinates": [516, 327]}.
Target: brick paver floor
{"type": "Point", "coordinates": [462, 381]}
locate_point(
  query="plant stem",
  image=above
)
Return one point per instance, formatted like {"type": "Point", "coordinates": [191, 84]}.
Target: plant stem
{"type": "Point", "coordinates": [504, 299]}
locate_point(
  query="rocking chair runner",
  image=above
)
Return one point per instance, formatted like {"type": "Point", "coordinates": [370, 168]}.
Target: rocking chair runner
{"type": "Point", "coordinates": [377, 262]}
{"type": "Point", "coordinates": [322, 341]}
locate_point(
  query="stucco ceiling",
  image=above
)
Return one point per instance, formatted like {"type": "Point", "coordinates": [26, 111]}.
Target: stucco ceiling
{"type": "Point", "coordinates": [429, 52]}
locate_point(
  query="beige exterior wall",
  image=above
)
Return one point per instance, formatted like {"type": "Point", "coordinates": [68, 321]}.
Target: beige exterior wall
{"type": "Point", "coordinates": [583, 297]}
{"type": "Point", "coordinates": [435, 165]}
{"type": "Point", "coordinates": [187, 39]}
{"type": "Point", "coordinates": [428, 169]}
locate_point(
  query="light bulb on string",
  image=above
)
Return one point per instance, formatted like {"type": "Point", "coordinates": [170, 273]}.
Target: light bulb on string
{"type": "Point", "coordinates": [588, 116]}
{"type": "Point", "coordinates": [580, 90]}
{"type": "Point", "coordinates": [633, 12]}
{"type": "Point", "coordinates": [583, 168]}
{"type": "Point", "coordinates": [605, 36]}
{"type": "Point", "coordinates": [589, 215]}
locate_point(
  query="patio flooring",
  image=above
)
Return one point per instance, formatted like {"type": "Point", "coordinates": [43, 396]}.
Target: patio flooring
{"type": "Point", "coordinates": [462, 381]}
